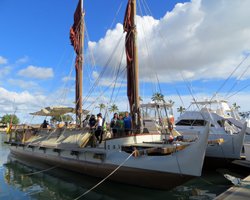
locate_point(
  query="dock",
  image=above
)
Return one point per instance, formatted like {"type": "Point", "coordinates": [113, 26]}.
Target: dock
{"type": "Point", "coordinates": [241, 192]}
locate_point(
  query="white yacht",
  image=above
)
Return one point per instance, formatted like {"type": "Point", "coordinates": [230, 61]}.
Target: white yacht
{"type": "Point", "coordinates": [226, 133]}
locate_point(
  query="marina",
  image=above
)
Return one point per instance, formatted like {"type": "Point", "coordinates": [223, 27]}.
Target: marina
{"type": "Point", "coordinates": [139, 150]}
{"type": "Point", "coordinates": [103, 122]}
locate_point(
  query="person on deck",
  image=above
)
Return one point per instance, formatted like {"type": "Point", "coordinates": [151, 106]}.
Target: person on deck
{"type": "Point", "coordinates": [127, 123]}
{"type": "Point", "coordinates": [44, 124]}
{"type": "Point", "coordinates": [113, 124]}
{"type": "Point", "coordinates": [99, 128]}
{"type": "Point", "coordinates": [92, 122]}
{"type": "Point", "coordinates": [85, 122]}
{"type": "Point", "coordinates": [120, 126]}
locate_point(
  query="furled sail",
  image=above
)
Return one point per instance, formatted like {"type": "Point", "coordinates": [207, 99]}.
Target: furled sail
{"type": "Point", "coordinates": [132, 63]}
{"type": "Point", "coordinates": [129, 41]}
{"type": "Point", "coordinates": [76, 37]}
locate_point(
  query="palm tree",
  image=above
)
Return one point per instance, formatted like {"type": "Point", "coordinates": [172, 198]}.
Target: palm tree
{"type": "Point", "coordinates": [158, 97]}
{"type": "Point", "coordinates": [181, 110]}
{"type": "Point", "coordinates": [113, 108]}
{"type": "Point", "coordinates": [101, 107]}
{"type": "Point", "coordinates": [171, 102]}
{"type": "Point", "coordinates": [235, 106]}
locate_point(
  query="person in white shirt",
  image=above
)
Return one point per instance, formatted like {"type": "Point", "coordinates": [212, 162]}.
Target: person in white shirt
{"type": "Point", "coordinates": [99, 131]}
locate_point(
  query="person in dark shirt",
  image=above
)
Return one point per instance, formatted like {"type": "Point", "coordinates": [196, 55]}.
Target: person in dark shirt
{"type": "Point", "coordinates": [113, 124]}
{"type": "Point", "coordinates": [44, 124]}
{"type": "Point", "coordinates": [92, 122]}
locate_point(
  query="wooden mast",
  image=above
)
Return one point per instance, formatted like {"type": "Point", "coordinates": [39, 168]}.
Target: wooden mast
{"type": "Point", "coordinates": [77, 40]}
{"type": "Point", "coordinates": [136, 107]}
{"type": "Point", "coordinates": [132, 63]}
{"type": "Point", "coordinates": [79, 72]}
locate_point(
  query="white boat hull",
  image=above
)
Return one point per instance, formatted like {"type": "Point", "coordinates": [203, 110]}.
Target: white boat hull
{"type": "Point", "coordinates": [144, 170]}
{"type": "Point", "coordinates": [230, 148]}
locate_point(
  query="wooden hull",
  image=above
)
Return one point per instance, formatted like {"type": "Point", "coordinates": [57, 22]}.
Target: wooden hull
{"type": "Point", "coordinates": [128, 175]}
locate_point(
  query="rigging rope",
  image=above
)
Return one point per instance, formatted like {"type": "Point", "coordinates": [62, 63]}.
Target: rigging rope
{"type": "Point", "coordinates": [93, 60]}
{"type": "Point", "coordinates": [117, 12]}
{"type": "Point", "coordinates": [149, 58]}
{"type": "Point", "coordinates": [238, 91]}
{"type": "Point", "coordinates": [179, 95]}
{"type": "Point", "coordinates": [116, 78]}
{"type": "Point", "coordinates": [102, 72]}
{"type": "Point", "coordinates": [236, 82]}
{"type": "Point", "coordinates": [101, 94]}
{"type": "Point", "coordinates": [106, 177]}
{"type": "Point", "coordinates": [191, 93]}
{"type": "Point", "coordinates": [229, 77]}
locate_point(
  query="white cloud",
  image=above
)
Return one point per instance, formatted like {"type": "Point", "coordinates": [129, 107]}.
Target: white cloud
{"type": "Point", "coordinates": [11, 101]}
{"type": "Point", "coordinates": [20, 98]}
{"type": "Point", "coordinates": [203, 39]}
{"type": "Point", "coordinates": [3, 60]}
{"type": "Point", "coordinates": [22, 60]}
{"type": "Point", "coordinates": [36, 72]}
{"type": "Point", "coordinates": [23, 84]}
{"type": "Point", "coordinates": [24, 102]}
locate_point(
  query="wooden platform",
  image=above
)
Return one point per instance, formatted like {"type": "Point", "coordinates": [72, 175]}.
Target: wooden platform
{"type": "Point", "coordinates": [154, 148]}
{"type": "Point", "coordinates": [241, 192]}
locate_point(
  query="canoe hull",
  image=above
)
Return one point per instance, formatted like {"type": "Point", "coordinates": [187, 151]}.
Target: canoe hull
{"type": "Point", "coordinates": [128, 175]}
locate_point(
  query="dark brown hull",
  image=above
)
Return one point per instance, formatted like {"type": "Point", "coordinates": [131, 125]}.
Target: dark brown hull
{"type": "Point", "coordinates": [133, 176]}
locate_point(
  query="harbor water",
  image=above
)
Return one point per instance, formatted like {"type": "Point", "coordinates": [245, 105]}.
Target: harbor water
{"type": "Point", "coordinates": [18, 181]}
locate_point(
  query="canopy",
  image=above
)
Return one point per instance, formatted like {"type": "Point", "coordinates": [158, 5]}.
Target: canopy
{"type": "Point", "coordinates": [56, 111]}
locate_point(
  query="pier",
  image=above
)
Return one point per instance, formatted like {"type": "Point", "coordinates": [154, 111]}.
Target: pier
{"type": "Point", "coordinates": [241, 192]}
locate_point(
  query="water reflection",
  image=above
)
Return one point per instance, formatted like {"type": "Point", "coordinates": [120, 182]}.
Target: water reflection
{"type": "Point", "coordinates": [39, 186]}
{"type": "Point", "coordinates": [60, 184]}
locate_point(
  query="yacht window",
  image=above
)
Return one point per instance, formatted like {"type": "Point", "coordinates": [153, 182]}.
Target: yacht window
{"type": "Point", "coordinates": [191, 122]}
{"type": "Point", "coordinates": [225, 122]}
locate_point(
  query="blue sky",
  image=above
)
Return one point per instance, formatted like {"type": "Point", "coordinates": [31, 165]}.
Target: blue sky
{"type": "Point", "coordinates": [194, 46]}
